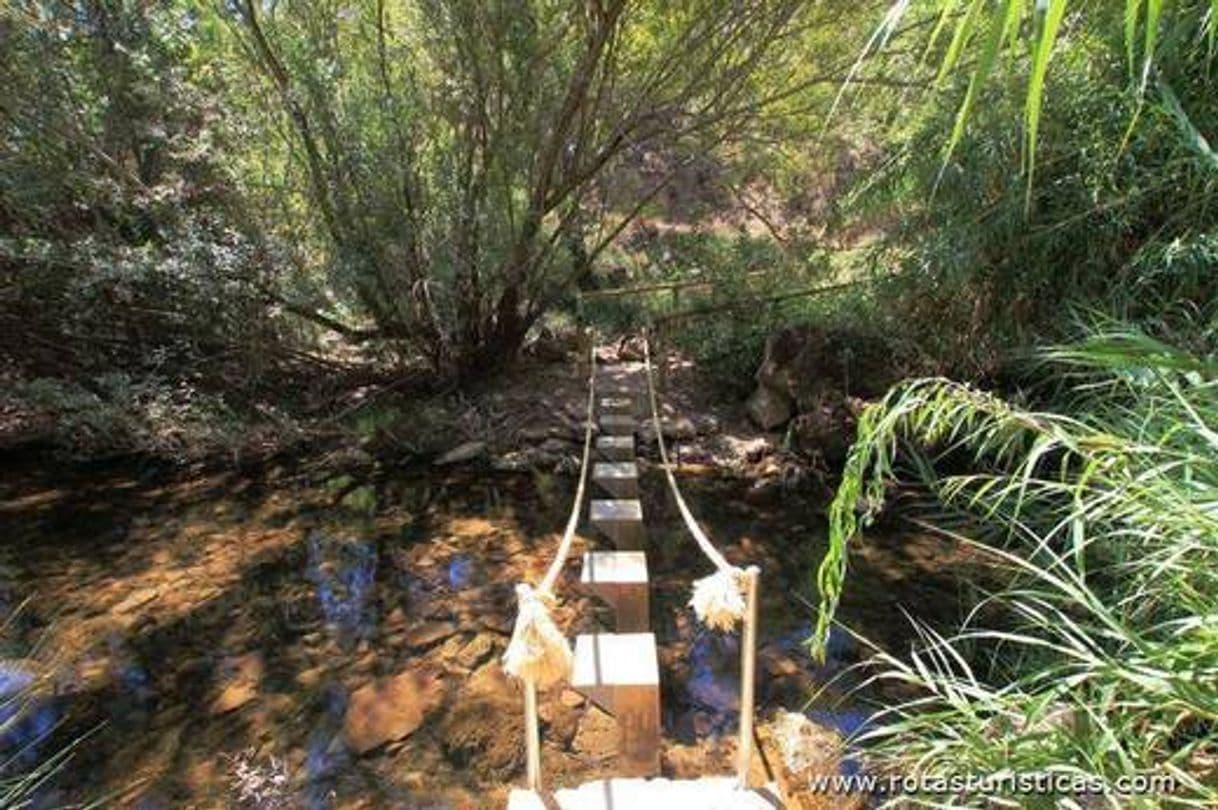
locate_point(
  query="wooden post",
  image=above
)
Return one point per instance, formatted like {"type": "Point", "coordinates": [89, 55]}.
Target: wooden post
{"type": "Point", "coordinates": [638, 716]}
{"type": "Point", "coordinates": [632, 608]}
{"type": "Point", "coordinates": [583, 351]}
{"type": "Point", "coordinates": [621, 672]}
{"type": "Point", "coordinates": [532, 737]}
{"type": "Point", "coordinates": [620, 520]}
{"type": "Point", "coordinates": [662, 357]}
{"type": "Point", "coordinates": [748, 664]}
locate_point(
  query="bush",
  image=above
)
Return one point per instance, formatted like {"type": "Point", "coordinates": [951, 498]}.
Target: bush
{"type": "Point", "coordinates": [1099, 655]}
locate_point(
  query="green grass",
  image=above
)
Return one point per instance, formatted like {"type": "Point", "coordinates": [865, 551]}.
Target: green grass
{"type": "Point", "coordinates": [1097, 654]}
{"type": "Point", "coordinates": [20, 782]}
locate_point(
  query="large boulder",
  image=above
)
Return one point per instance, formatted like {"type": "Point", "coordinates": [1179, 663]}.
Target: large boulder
{"type": "Point", "coordinates": [812, 377]}
{"type": "Point", "coordinates": [807, 363]}
{"type": "Point", "coordinates": [825, 428]}
{"type": "Point", "coordinates": [769, 408]}
{"type": "Point", "coordinates": [552, 345]}
{"type": "Point", "coordinates": [630, 349]}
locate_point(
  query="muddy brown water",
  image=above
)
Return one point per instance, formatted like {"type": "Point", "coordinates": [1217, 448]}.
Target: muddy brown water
{"type": "Point", "coordinates": [240, 640]}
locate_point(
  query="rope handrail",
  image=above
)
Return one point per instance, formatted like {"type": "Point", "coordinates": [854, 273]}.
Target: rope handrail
{"type": "Point", "coordinates": [538, 652]}
{"type": "Point", "coordinates": [661, 286]}
{"type": "Point", "coordinates": [704, 542]}
{"type": "Point", "coordinates": [718, 599]}
{"type": "Point", "coordinates": [564, 547]}
{"type": "Point", "coordinates": [744, 303]}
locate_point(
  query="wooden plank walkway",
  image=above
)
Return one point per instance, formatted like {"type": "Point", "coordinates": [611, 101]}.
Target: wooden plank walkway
{"type": "Point", "coordinates": [619, 671]}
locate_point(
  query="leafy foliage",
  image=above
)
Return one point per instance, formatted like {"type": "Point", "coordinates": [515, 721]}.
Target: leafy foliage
{"type": "Point", "coordinates": [1098, 654]}
{"type": "Point", "coordinates": [987, 265]}
{"type": "Point", "coordinates": [122, 242]}
{"type": "Point", "coordinates": [1014, 29]}
{"type": "Point", "coordinates": [451, 151]}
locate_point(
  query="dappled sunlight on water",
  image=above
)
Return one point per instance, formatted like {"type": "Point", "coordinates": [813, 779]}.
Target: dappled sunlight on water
{"type": "Point", "coordinates": [210, 633]}
{"type": "Point", "coordinates": [25, 721]}
{"type": "Point", "coordinates": [343, 573]}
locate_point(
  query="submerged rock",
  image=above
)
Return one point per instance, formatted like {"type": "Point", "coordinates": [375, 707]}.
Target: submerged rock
{"type": "Point", "coordinates": [476, 651]}
{"type": "Point", "coordinates": [484, 729]}
{"type": "Point", "coordinates": [241, 679]}
{"type": "Point", "coordinates": [390, 709]}
{"type": "Point", "coordinates": [137, 600]}
{"type": "Point", "coordinates": [428, 633]}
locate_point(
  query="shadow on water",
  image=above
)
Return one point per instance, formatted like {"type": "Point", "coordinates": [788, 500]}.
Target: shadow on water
{"type": "Point", "coordinates": [26, 720]}
{"type": "Point", "coordinates": [701, 678]}
{"type": "Point", "coordinates": [343, 572]}
{"type": "Point", "coordinates": [210, 621]}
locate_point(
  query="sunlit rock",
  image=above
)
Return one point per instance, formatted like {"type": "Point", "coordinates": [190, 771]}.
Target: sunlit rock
{"type": "Point", "coordinates": [768, 408]}
{"type": "Point", "coordinates": [241, 678]}
{"type": "Point", "coordinates": [428, 633]}
{"type": "Point", "coordinates": [467, 451]}
{"type": "Point", "coordinates": [484, 728]}
{"type": "Point", "coordinates": [390, 709]}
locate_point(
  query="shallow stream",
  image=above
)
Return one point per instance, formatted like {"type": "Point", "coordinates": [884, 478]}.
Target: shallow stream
{"type": "Point", "coordinates": [263, 639]}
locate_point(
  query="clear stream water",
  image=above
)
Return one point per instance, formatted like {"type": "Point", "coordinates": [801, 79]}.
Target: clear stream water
{"type": "Point", "coordinates": [201, 640]}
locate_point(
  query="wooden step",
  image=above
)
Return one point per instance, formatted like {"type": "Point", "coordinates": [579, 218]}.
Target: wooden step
{"type": "Point", "coordinates": [617, 424]}
{"type": "Point", "coordinates": [620, 579]}
{"type": "Point", "coordinates": [620, 405]}
{"type": "Point", "coordinates": [618, 478]}
{"type": "Point", "coordinates": [621, 672]}
{"type": "Point", "coordinates": [619, 520]}
{"type": "Point", "coordinates": [615, 448]}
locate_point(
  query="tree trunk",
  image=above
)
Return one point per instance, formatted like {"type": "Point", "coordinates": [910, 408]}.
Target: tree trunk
{"type": "Point", "coordinates": [501, 338]}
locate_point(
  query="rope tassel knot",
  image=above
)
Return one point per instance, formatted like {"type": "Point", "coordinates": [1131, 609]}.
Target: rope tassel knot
{"type": "Point", "coordinates": [538, 651]}
{"type": "Point", "coordinates": [718, 600]}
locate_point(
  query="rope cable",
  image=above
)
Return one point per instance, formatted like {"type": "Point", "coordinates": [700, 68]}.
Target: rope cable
{"type": "Point", "coordinates": [717, 599]}
{"type": "Point", "coordinates": [704, 542]}
{"type": "Point", "coordinates": [538, 652]}
{"type": "Point", "coordinates": [564, 547]}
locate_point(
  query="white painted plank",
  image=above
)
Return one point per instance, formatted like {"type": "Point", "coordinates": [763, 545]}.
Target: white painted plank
{"type": "Point", "coordinates": [615, 659]}
{"type": "Point", "coordinates": [614, 567]}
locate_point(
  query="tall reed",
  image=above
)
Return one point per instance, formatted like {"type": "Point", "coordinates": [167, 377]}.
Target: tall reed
{"type": "Point", "coordinates": [1097, 653]}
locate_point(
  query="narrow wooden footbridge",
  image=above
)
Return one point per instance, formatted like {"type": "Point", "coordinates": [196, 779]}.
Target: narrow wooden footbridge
{"type": "Point", "coordinates": [619, 671]}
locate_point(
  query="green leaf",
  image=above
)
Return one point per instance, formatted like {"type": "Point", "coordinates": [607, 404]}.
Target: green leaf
{"type": "Point", "coordinates": [1050, 24]}
{"type": "Point", "coordinates": [1192, 136]}
{"type": "Point", "coordinates": [948, 7]}
{"type": "Point", "coordinates": [999, 29]}
{"type": "Point", "coordinates": [1212, 24]}
{"type": "Point", "coordinates": [1133, 9]}
{"type": "Point", "coordinates": [1154, 9]}
{"type": "Point", "coordinates": [960, 37]}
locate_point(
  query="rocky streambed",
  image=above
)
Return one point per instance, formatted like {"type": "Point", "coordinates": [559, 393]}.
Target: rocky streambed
{"type": "Point", "coordinates": [305, 637]}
